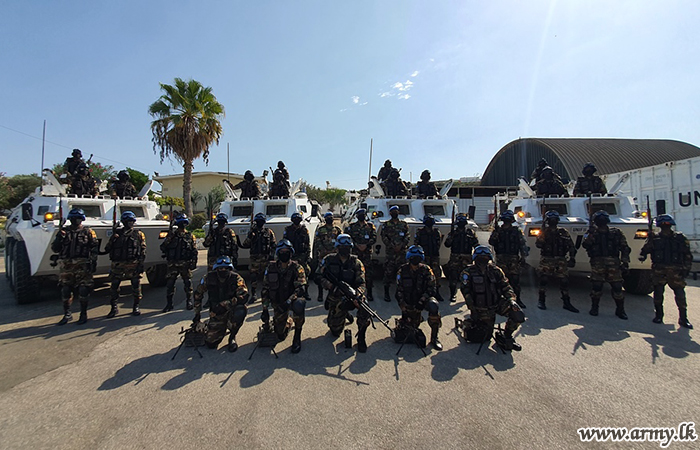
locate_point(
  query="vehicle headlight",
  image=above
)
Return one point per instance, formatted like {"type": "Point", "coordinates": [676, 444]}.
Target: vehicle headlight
{"type": "Point", "coordinates": [641, 234]}
{"type": "Point", "coordinates": [162, 235]}
{"type": "Point", "coordinates": [534, 232]}
{"type": "Point", "coordinates": [49, 216]}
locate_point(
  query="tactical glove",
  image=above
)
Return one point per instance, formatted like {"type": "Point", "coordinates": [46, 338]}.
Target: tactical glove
{"type": "Point", "coordinates": [571, 262]}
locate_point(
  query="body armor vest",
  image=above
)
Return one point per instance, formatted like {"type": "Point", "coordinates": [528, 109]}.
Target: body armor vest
{"type": "Point", "coordinates": [224, 244]}
{"type": "Point", "coordinates": [262, 244]}
{"type": "Point", "coordinates": [484, 292]}
{"type": "Point", "coordinates": [299, 237]}
{"type": "Point", "coordinates": [127, 247]}
{"type": "Point", "coordinates": [281, 284]}
{"type": "Point", "coordinates": [585, 185]}
{"type": "Point", "coordinates": [429, 240]}
{"type": "Point", "coordinates": [668, 249]}
{"type": "Point", "coordinates": [508, 241]}
{"type": "Point", "coordinates": [342, 272]}
{"type": "Point", "coordinates": [413, 283]}
{"type": "Point", "coordinates": [222, 290]}
{"type": "Point", "coordinates": [463, 242]}
{"type": "Point", "coordinates": [605, 244]}
{"type": "Point", "coordinates": [426, 189]}
{"type": "Point", "coordinates": [76, 244]}
{"type": "Point", "coordinates": [180, 248]}
{"type": "Point", "coordinates": [554, 243]}
{"type": "Point", "coordinates": [358, 232]}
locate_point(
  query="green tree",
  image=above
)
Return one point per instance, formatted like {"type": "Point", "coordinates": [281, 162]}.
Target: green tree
{"type": "Point", "coordinates": [334, 197]}
{"type": "Point", "coordinates": [139, 179]}
{"type": "Point", "coordinates": [20, 186]}
{"type": "Point", "coordinates": [214, 197]}
{"type": "Point", "coordinates": [187, 122]}
{"type": "Point", "coordinates": [97, 170]}
{"type": "Point", "coordinates": [196, 197]}
{"type": "Point", "coordinates": [5, 192]}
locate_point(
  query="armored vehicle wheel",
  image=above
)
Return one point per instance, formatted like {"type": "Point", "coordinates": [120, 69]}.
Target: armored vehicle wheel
{"type": "Point", "coordinates": [638, 282]}
{"type": "Point", "coordinates": [156, 275]}
{"type": "Point", "coordinates": [26, 286]}
{"type": "Point", "coordinates": [9, 243]}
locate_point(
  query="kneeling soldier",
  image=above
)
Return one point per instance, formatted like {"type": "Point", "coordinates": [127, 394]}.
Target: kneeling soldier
{"type": "Point", "coordinates": [127, 251]}
{"type": "Point", "coordinates": [227, 295]}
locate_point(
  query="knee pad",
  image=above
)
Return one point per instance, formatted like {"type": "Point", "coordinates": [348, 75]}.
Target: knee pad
{"type": "Point", "coordinates": [83, 291]}
{"type": "Point", "coordinates": [516, 316]}
{"type": "Point", "coordinates": [239, 313]}
{"type": "Point", "coordinates": [433, 307]}
{"type": "Point", "coordinates": [299, 307]}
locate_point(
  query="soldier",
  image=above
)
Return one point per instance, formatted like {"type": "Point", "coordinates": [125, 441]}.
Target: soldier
{"type": "Point", "coordinates": [537, 173]}
{"type": "Point", "coordinates": [83, 183]}
{"type": "Point", "coordinates": [415, 292]}
{"type": "Point", "coordinates": [221, 241]}
{"type": "Point", "coordinates": [284, 285]}
{"type": "Point", "coordinates": [610, 258]}
{"type": "Point", "coordinates": [344, 267]}
{"type": "Point", "coordinates": [180, 249]}
{"type": "Point", "coordinates": [671, 262]}
{"type": "Point", "coordinates": [384, 172]}
{"type": "Point", "coordinates": [511, 250]}
{"type": "Point", "coordinates": [395, 237]}
{"type": "Point", "coordinates": [127, 251]}
{"type": "Point", "coordinates": [426, 188]}
{"type": "Point", "coordinates": [261, 242]}
{"type": "Point", "coordinates": [430, 239]}
{"type": "Point", "coordinates": [227, 296]}
{"type": "Point", "coordinates": [73, 162]}
{"type": "Point", "coordinates": [394, 186]}
{"type": "Point", "coordinates": [123, 186]}
{"type": "Point", "coordinates": [487, 292]}
{"type": "Point", "coordinates": [589, 183]}
{"type": "Point", "coordinates": [550, 184]}
{"type": "Point", "coordinates": [77, 248]}
{"type": "Point", "coordinates": [249, 187]}
{"type": "Point", "coordinates": [554, 244]}
{"type": "Point", "coordinates": [283, 170]}
{"type": "Point", "coordinates": [280, 186]}
{"type": "Point", "coordinates": [461, 241]}
{"type": "Point", "coordinates": [298, 235]}
{"type": "Point", "coordinates": [364, 236]}
{"type": "Point", "coordinates": [324, 245]}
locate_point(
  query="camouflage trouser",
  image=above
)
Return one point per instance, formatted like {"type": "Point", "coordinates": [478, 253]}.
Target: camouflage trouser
{"type": "Point", "coordinates": [674, 276]}
{"type": "Point", "coordinates": [457, 263]}
{"type": "Point", "coordinates": [510, 265]}
{"type": "Point", "coordinates": [258, 265]}
{"type": "Point", "coordinates": [75, 278]}
{"type": "Point", "coordinates": [506, 308]}
{"type": "Point", "coordinates": [366, 260]}
{"type": "Point", "coordinates": [434, 263]}
{"type": "Point", "coordinates": [124, 271]}
{"type": "Point", "coordinates": [606, 269]}
{"type": "Point", "coordinates": [394, 260]}
{"type": "Point", "coordinates": [554, 266]}
{"type": "Point", "coordinates": [175, 269]}
{"type": "Point", "coordinates": [304, 262]}
{"type": "Point", "coordinates": [337, 313]}
{"type": "Point", "coordinates": [414, 315]}
{"type": "Point", "coordinates": [219, 323]}
{"type": "Point", "coordinates": [283, 322]}
{"type": "Point", "coordinates": [211, 260]}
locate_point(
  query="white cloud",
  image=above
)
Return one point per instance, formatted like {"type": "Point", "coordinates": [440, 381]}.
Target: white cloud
{"type": "Point", "coordinates": [415, 74]}
{"type": "Point", "coordinates": [343, 110]}
{"type": "Point", "coordinates": [363, 104]}
{"type": "Point", "coordinates": [398, 86]}
{"type": "Point", "coordinates": [404, 96]}
{"type": "Point", "coordinates": [355, 99]}
{"type": "Point", "coordinates": [386, 94]}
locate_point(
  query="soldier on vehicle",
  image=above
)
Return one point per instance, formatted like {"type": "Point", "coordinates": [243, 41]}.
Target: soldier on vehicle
{"type": "Point", "coordinates": [283, 288]}
{"type": "Point", "coordinates": [589, 183]}
{"type": "Point", "coordinates": [249, 187]}
{"type": "Point", "coordinates": [221, 241]}
{"type": "Point", "coordinates": [344, 267]}
{"type": "Point", "coordinates": [72, 162]}
{"type": "Point", "coordinates": [324, 245]}
{"type": "Point", "coordinates": [395, 237]}
{"type": "Point", "coordinates": [415, 292]}
{"type": "Point", "coordinates": [487, 292]}
{"type": "Point", "coordinates": [426, 188]}
{"type": "Point", "coordinates": [461, 241]}
{"type": "Point", "coordinates": [394, 186]}
{"type": "Point", "coordinates": [511, 250]}
{"type": "Point", "coordinates": [671, 262]}
{"type": "Point", "coordinates": [364, 236]}
{"type": "Point", "coordinates": [610, 259]}
{"type": "Point", "coordinates": [280, 186]}
{"type": "Point", "coordinates": [261, 242]}
{"type": "Point", "coordinates": [180, 249]}
{"type": "Point", "coordinates": [298, 235]}
{"type": "Point", "coordinates": [550, 184]}
{"type": "Point", "coordinates": [537, 173]}
{"type": "Point", "coordinates": [127, 251]}
{"type": "Point", "coordinates": [554, 244]}
{"type": "Point", "coordinates": [429, 238]}
{"type": "Point", "coordinates": [227, 296]}
{"type": "Point", "coordinates": [123, 186]}
{"type": "Point", "coordinates": [384, 172]}
{"type": "Point", "coordinates": [77, 248]}
{"type": "Point", "coordinates": [283, 170]}
{"type": "Point", "coordinates": [83, 182]}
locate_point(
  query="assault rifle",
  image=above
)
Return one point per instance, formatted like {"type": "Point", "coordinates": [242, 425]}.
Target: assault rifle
{"type": "Point", "coordinates": [61, 223]}
{"type": "Point", "coordinates": [590, 211]}
{"type": "Point", "coordinates": [452, 224]}
{"type": "Point", "coordinates": [115, 222]}
{"type": "Point", "coordinates": [210, 212]}
{"type": "Point", "coordinates": [495, 212]}
{"type": "Point", "coordinates": [193, 337]}
{"type": "Point", "coordinates": [649, 220]}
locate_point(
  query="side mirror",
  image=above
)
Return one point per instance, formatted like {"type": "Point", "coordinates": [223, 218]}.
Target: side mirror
{"type": "Point", "coordinates": [27, 211]}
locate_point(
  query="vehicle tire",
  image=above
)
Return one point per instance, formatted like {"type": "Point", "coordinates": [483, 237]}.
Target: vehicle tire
{"type": "Point", "coordinates": [9, 245]}
{"type": "Point", "coordinates": [26, 286]}
{"type": "Point", "coordinates": [156, 275]}
{"type": "Point", "coordinates": [638, 282]}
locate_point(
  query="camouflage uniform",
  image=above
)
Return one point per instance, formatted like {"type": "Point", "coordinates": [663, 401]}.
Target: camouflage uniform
{"type": "Point", "coordinates": [461, 241]}
{"type": "Point", "coordinates": [509, 244]}
{"type": "Point", "coordinates": [180, 250]}
{"type": "Point", "coordinates": [71, 164]}
{"type": "Point", "coordinates": [395, 237]}
{"type": "Point", "coordinates": [84, 185]}
{"type": "Point", "coordinates": [221, 242]}
{"type": "Point", "coordinates": [261, 243]}
{"type": "Point", "coordinates": [608, 250]}
{"type": "Point", "coordinates": [554, 244]}
{"type": "Point", "coordinates": [364, 233]}
{"type": "Point", "coordinates": [227, 296]}
{"type": "Point", "coordinates": [283, 289]}
{"type": "Point", "coordinates": [550, 187]}
{"type": "Point", "coordinates": [249, 189]}
{"type": "Point", "coordinates": [415, 292]}
{"type": "Point", "coordinates": [123, 189]}
{"type": "Point", "coordinates": [280, 185]}
{"type": "Point", "coordinates": [324, 245]}
{"type": "Point", "coordinates": [431, 239]}
{"type": "Point", "coordinates": [127, 251]}
{"type": "Point", "coordinates": [426, 189]}
{"type": "Point", "coordinates": [593, 184]}
{"type": "Point", "coordinates": [298, 235]}
{"type": "Point", "coordinates": [352, 272]}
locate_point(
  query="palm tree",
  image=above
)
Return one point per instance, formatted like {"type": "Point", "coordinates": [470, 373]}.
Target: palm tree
{"type": "Point", "coordinates": [187, 122]}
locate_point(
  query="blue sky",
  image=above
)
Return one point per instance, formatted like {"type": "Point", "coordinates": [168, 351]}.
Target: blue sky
{"type": "Point", "coordinates": [441, 85]}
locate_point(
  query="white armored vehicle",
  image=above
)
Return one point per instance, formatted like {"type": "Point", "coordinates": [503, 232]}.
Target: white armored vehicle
{"type": "Point", "coordinates": [32, 227]}
{"type": "Point", "coordinates": [574, 213]}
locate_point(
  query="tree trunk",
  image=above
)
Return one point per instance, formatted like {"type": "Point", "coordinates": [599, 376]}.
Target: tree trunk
{"type": "Point", "coordinates": [187, 188]}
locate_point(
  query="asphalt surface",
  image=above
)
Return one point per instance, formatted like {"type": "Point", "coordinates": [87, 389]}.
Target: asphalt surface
{"type": "Point", "coordinates": [112, 383]}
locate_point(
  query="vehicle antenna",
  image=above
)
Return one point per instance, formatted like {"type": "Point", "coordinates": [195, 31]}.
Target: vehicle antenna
{"type": "Point", "coordinates": [43, 142]}
{"type": "Point", "coordinates": [369, 177]}
{"type": "Point", "coordinates": [228, 163]}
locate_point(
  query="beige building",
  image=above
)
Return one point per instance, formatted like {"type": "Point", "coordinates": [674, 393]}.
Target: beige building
{"type": "Point", "coordinates": [202, 182]}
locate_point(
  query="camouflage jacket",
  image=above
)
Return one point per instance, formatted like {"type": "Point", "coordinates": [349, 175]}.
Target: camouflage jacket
{"type": "Point", "coordinates": [84, 186]}
{"type": "Point", "coordinates": [179, 246]}
{"type": "Point", "coordinates": [298, 235]}
{"type": "Point", "coordinates": [249, 189]}
{"type": "Point", "coordinates": [462, 241]}
{"type": "Point", "coordinates": [351, 271]}
{"type": "Point", "coordinates": [430, 239]}
{"type": "Point", "coordinates": [127, 245]}
{"type": "Point", "coordinates": [122, 190]}
{"type": "Point", "coordinates": [324, 242]}
{"type": "Point", "coordinates": [508, 241]}
{"type": "Point", "coordinates": [362, 233]}
{"type": "Point", "coordinates": [80, 242]}
{"type": "Point", "coordinates": [415, 285]}
{"type": "Point", "coordinates": [221, 243]}
{"type": "Point", "coordinates": [550, 187]}
{"type": "Point", "coordinates": [668, 250]}
{"type": "Point", "coordinates": [230, 291]}
{"type": "Point", "coordinates": [485, 288]}
{"type": "Point", "coordinates": [426, 189]}
{"type": "Point", "coordinates": [612, 243]}
{"type": "Point", "coordinates": [283, 283]}
{"type": "Point", "coordinates": [260, 242]}
{"type": "Point", "coordinates": [395, 234]}
{"type": "Point", "coordinates": [555, 242]}
{"type": "Point", "coordinates": [593, 184]}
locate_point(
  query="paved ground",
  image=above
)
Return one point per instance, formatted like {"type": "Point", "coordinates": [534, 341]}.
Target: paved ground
{"type": "Point", "coordinates": [112, 384]}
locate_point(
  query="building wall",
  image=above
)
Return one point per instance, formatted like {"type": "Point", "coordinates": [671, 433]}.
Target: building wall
{"type": "Point", "coordinates": [201, 182]}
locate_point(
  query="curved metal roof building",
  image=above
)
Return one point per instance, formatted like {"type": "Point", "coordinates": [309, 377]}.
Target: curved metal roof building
{"type": "Point", "coordinates": [568, 156]}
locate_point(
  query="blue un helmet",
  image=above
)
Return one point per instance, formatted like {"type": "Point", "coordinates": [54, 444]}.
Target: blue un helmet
{"type": "Point", "coordinates": [601, 216]}
{"type": "Point", "coordinates": [462, 219]}
{"type": "Point", "coordinates": [361, 214]}
{"type": "Point", "coordinates": [589, 169]}
{"type": "Point", "coordinates": [296, 218]}
{"type": "Point", "coordinates": [261, 217]}
{"type": "Point", "coordinates": [221, 217]}
{"type": "Point", "coordinates": [182, 220]}
{"type": "Point", "coordinates": [343, 240]}
{"type": "Point", "coordinates": [507, 216]}
{"type": "Point", "coordinates": [128, 216]}
{"type": "Point", "coordinates": [282, 245]}
{"type": "Point", "coordinates": [415, 250]}
{"type": "Point", "coordinates": [76, 213]}
{"type": "Point", "coordinates": [551, 216]}
{"type": "Point", "coordinates": [328, 215]}
{"type": "Point", "coordinates": [428, 220]}
{"type": "Point", "coordinates": [394, 208]}
{"type": "Point", "coordinates": [482, 250]}
{"type": "Point", "coordinates": [662, 219]}
{"type": "Point", "coordinates": [223, 261]}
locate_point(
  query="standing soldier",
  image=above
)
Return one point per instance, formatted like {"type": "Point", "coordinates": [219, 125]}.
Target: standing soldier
{"type": "Point", "coordinates": [364, 236]}
{"type": "Point", "coordinates": [415, 290]}
{"type": "Point", "coordinates": [549, 184]}
{"type": "Point", "coordinates": [589, 183]}
{"type": "Point", "coordinates": [324, 245]}
{"type": "Point", "coordinates": [554, 244]}
{"type": "Point", "coordinates": [344, 267]}
{"type": "Point", "coordinates": [127, 251]}
{"type": "Point", "coordinates": [77, 248]}
{"type": "Point", "coordinates": [537, 173]}
{"type": "Point", "coordinates": [509, 243]}
{"type": "Point", "coordinates": [283, 287]}
{"type": "Point", "coordinates": [610, 258]}
{"type": "Point", "coordinates": [283, 170]}
{"type": "Point", "coordinates": [123, 186]}
{"type": "Point", "coordinates": [426, 188]}
{"type": "Point", "coordinates": [486, 292]}
{"type": "Point", "coordinates": [384, 172]}
{"type": "Point", "coordinates": [430, 239]}
{"type": "Point", "coordinates": [671, 262]}
{"type": "Point", "coordinates": [298, 235]}
{"type": "Point", "coordinates": [394, 186]}
{"type": "Point", "coordinates": [83, 183]}
{"type": "Point", "coordinates": [180, 250]}
{"type": "Point", "coordinates": [221, 241]}
{"type": "Point", "coordinates": [395, 237]}
{"type": "Point", "coordinates": [227, 296]}
{"type": "Point", "coordinates": [280, 186]}
{"type": "Point", "coordinates": [72, 162]}
{"type": "Point", "coordinates": [461, 241]}
{"type": "Point", "coordinates": [249, 187]}
{"type": "Point", "coordinates": [261, 242]}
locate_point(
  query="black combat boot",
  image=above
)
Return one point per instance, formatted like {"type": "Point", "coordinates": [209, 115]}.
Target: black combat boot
{"type": "Point", "coordinates": [434, 340]}
{"type": "Point", "coordinates": [659, 316]}
{"type": "Point", "coordinates": [370, 296]}
{"type": "Point", "coordinates": [251, 298]}
{"type": "Point", "coordinates": [306, 292]}
{"type": "Point", "coordinates": [114, 311]}
{"type": "Point", "coordinates": [506, 341]}
{"type": "Point", "coordinates": [169, 304]}
{"type": "Point", "coordinates": [361, 342]}
{"type": "Point", "coordinates": [296, 341]}
{"type": "Point", "coordinates": [189, 304]}
{"type": "Point", "coordinates": [567, 304]}
{"type": "Point", "coordinates": [540, 302]}
{"type": "Point", "coordinates": [320, 293]}
{"type": "Point", "coordinates": [387, 295]}
{"type": "Point", "coordinates": [595, 302]}
{"type": "Point", "coordinates": [83, 312]}
{"type": "Point", "coordinates": [136, 311]}
{"type": "Point", "coordinates": [67, 316]}
{"type": "Point", "coordinates": [520, 302]}
{"type": "Point", "coordinates": [349, 318]}
{"type": "Point", "coordinates": [232, 344]}
{"type": "Point", "coordinates": [620, 310]}
{"type": "Point", "coordinates": [453, 293]}
{"type": "Point", "coordinates": [683, 318]}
